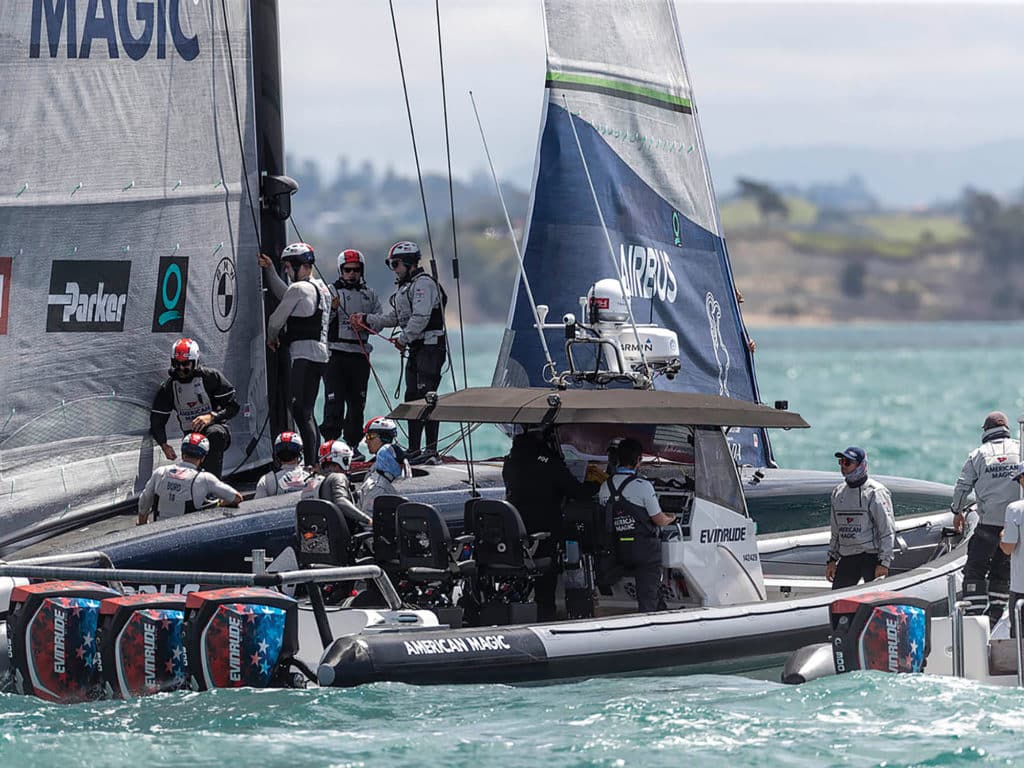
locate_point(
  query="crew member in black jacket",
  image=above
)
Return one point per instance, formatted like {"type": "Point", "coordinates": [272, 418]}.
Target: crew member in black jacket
{"type": "Point", "coordinates": [537, 483]}
{"type": "Point", "coordinates": [203, 399]}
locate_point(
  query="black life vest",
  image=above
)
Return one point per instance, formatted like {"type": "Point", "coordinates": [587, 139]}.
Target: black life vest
{"type": "Point", "coordinates": [309, 328]}
{"type": "Point", "coordinates": [637, 541]}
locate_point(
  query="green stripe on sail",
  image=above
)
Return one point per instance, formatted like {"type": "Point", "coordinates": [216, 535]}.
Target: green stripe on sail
{"type": "Point", "coordinates": [618, 85]}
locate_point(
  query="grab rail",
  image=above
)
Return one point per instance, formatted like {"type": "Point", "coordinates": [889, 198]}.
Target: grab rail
{"type": "Point", "coordinates": [1018, 607]}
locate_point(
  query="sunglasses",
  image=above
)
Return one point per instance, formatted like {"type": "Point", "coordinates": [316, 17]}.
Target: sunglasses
{"type": "Point", "coordinates": [182, 363]}
{"type": "Point", "coordinates": [351, 269]}
{"type": "Point", "coordinates": [847, 462]}
{"type": "Point", "coordinates": [392, 263]}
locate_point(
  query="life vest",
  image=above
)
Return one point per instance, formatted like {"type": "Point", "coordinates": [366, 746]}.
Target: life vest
{"type": "Point", "coordinates": [173, 491]}
{"type": "Point", "coordinates": [288, 480]}
{"type": "Point", "coordinates": [190, 400]}
{"type": "Point", "coordinates": [637, 541]}
{"type": "Point", "coordinates": [436, 321]}
{"type": "Point", "coordinates": [313, 327]}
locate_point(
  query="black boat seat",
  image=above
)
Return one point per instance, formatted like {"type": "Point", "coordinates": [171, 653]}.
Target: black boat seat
{"type": "Point", "coordinates": [322, 534]}
{"type": "Point", "coordinates": [502, 545]}
{"type": "Point", "coordinates": [385, 528]}
{"type": "Point", "coordinates": [425, 545]}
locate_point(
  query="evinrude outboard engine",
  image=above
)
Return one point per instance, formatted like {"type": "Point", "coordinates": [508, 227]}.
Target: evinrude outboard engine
{"type": "Point", "coordinates": [142, 644]}
{"type": "Point", "coordinates": [883, 631]}
{"type": "Point", "coordinates": [52, 640]}
{"type": "Point", "coordinates": [239, 637]}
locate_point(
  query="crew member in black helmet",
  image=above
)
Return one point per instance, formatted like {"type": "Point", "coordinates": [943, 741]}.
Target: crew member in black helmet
{"type": "Point", "coordinates": [417, 308]}
{"type": "Point", "coordinates": [300, 322]}
{"type": "Point", "coordinates": [203, 399]}
{"type": "Point", "coordinates": [348, 370]}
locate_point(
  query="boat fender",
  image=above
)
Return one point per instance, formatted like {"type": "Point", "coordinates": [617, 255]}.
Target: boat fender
{"type": "Point", "coordinates": [809, 663]}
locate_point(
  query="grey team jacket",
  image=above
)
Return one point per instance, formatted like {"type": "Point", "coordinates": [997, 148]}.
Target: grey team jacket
{"type": "Point", "coordinates": [862, 521]}
{"type": "Point", "coordinates": [342, 337]}
{"type": "Point", "coordinates": [412, 305]}
{"type": "Point", "coordinates": [987, 472]}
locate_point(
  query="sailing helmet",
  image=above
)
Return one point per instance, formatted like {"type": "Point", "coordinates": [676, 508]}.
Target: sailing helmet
{"type": "Point", "coordinates": [287, 446]}
{"type": "Point", "coordinates": [405, 251]}
{"type": "Point", "coordinates": [383, 427]}
{"type": "Point", "coordinates": [338, 452]}
{"type": "Point", "coordinates": [195, 445]}
{"type": "Point", "coordinates": [299, 253]}
{"type": "Point", "coordinates": [351, 257]}
{"type": "Point", "coordinates": [185, 350]}
{"type": "Point", "coordinates": [607, 303]}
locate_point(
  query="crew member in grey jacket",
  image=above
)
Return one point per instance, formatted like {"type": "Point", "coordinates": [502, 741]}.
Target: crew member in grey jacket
{"type": "Point", "coordinates": [987, 472]}
{"type": "Point", "coordinates": [348, 370]}
{"type": "Point", "coordinates": [863, 526]}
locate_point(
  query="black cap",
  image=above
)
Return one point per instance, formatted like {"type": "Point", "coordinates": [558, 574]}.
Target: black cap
{"type": "Point", "coordinates": [853, 453]}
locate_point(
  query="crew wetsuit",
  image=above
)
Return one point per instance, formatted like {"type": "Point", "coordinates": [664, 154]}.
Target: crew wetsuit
{"type": "Point", "coordinates": [301, 320]}
{"type": "Point", "coordinates": [206, 391]}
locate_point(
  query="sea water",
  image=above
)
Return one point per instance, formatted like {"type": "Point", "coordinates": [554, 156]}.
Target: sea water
{"type": "Point", "coordinates": [914, 396]}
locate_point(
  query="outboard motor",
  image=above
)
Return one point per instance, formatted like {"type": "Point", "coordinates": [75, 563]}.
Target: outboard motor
{"type": "Point", "coordinates": [884, 631]}
{"type": "Point", "coordinates": [142, 644]}
{"type": "Point", "coordinates": [239, 637]}
{"type": "Point", "coordinates": [52, 640]}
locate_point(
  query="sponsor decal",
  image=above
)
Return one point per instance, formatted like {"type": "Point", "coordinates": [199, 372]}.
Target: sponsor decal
{"type": "Point", "coordinates": [716, 535]}
{"type": "Point", "coordinates": [5, 292]}
{"type": "Point", "coordinates": [87, 296]}
{"type": "Point", "coordinates": [456, 645]}
{"type": "Point", "coordinates": [647, 272]}
{"type": "Point", "coordinates": [171, 290]}
{"type": "Point", "coordinates": [714, 312]}
{"type": "Point", "coordinates": [225, 290]}
{"type": "Point", "coordinates": [892, 636]}
{"type": "Point", "coordinates": [234, 648]}
{"type": "Point", "coordinates": [60, 621]}
{"type": "Point", "coordinates": [104, 23]}
{"type": "Point", "coordinates": [677, 239]}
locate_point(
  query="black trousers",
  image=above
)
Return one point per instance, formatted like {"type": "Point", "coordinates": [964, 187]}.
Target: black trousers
{"type": "Point", "coordinates": [648, 585]}
{"type": "Point", "coordinates": [345, 397]}
{"type": "Point", "coordinates": [303, 386]}
{"type": "Point", "coordinates": [852, 568]}
{"type": "Point", "coordinates": [422, 375]}
{"type": "Point", "coordinates": [545, 583]}
{"type": "Point", "coordinates": [986, 572]}
{"type": "Point", "coordinates": [220, 440]}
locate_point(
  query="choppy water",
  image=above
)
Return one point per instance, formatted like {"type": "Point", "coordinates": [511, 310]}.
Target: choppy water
{"type": "Point", "coordinates": [914, 396]}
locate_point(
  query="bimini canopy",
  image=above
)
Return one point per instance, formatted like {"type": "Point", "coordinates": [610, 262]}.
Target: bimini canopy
{"type": "Point", "coordinates": [507, 405]}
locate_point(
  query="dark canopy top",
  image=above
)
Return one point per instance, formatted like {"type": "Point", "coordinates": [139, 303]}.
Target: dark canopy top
{"type": "Point", "coordinates": [508, 405]}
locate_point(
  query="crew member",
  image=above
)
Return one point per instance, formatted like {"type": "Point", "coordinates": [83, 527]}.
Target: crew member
{"type": "Point", "coordinates": [417, 308]}
{"type": "Point", "coordinates": [202, 398]}
{"type": "Point", "coordinates": [348, 370]}
{"type": "Point", "coordinates": [300, 322]}
{"type": "Point", "coordinates": [537, 483]}
{"type": "Point", "coordinates": [180, 488]}
{"type": "Point", "coordinates": [635, 515]}
{"type": "Point", "coordinates": [987, 472]}
{"type": "Point", "coordinates": [1013, 533]}
{"type": "Point", "coordinates": [331, 483]}
{"type": "Point", "coordinates": [292, 476]}
{"type": "Point", "coordinates": [388, 462]}
{"type": "Point", "coordinates": [862, 523]}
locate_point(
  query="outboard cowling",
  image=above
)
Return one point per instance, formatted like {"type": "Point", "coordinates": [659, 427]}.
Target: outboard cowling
{"type": "Point", "coordinates": [880, 630]}
{"type": "Point", "coordinates": [142, 644]}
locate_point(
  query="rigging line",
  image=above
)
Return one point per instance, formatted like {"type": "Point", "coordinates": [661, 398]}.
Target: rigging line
{"type": "Point", "coordinates": [412, 134]}
{"type": "Point", "coordinates": [550, 364]}
{"type": "Point", "coordinates": [455, 254]}
{"type": "Point", "coordinates": [238, 125]}
{"type": "Point", "coordinates": [608, 238]}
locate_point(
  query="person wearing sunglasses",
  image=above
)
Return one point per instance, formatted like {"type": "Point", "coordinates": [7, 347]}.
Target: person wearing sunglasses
{"type": "Point", "coordinates": [417, 309]}
{"type": "Point", "coordinates": [862, 522]}
{"type": "Point", "coordinates": [348, 369]}
{"type": "Point", "coordinates": [202, 398]}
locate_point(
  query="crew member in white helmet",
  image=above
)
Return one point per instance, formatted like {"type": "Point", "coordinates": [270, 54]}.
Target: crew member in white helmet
{"type": "Point", "coordinates": [180, 488]}
{"type": "Point", "coordinates": [987, 472]}
{"type": "Point", "coordinates": [203, 399]}
{"type": "Point", "coordinates": [332, 482]}
{"type": "Point", "coordinates": [292, 476]}
{"type": "Point", "coordinates": [388, 462]}
{"type": "Point", "coordinates": [300, 322]}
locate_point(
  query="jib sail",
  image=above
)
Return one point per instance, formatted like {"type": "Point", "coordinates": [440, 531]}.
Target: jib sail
{"type": "Point", "coordinates": [124, 224]}
{"type": "Point", "coordinates": [618, 68]}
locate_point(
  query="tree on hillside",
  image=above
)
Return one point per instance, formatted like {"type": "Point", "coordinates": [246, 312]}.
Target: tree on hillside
{"type": "Point", "coordinates": [770, 204]}
{"type": "Point", "coordinates": [997, 230]}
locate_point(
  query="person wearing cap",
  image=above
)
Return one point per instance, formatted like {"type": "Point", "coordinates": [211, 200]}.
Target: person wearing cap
{"type": "Point", "coordinates": [417, 309]}
{"type": "Point", "coordinates": [862, 524]}
{"type": "Point", "coordinates": [300, 322]}
{"type": "Point", "coordinates": [180, 488]}
{"type": "Point", "coordinates": [348, 369]}
{"type": "Point", "coordinates": [1013, 533]}
{"type": "Point", "coordinates": [987, 472]}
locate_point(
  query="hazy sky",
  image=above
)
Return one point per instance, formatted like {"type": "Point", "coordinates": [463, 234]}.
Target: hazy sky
{"type": "Point", "coordinates": [913, 75]}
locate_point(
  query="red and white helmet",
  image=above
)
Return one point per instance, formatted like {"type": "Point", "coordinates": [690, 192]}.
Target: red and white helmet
{"type": "Point", "coordinates": [194, 444]}
{"type": "Point", "coordinates": [382, 426]}
{"type": "Point", "coordinates": [299, 252]}
{"type": "Point", "coordinates": [349, 257]}
{"type": "Point", "coordinates": [185, 350]}
{"type": "Point", "coordinates": [406, 251]}
{"type": "Point", "coordinates": [288, 446]}
{"type": "Point", "coordinates": [336, 451]}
